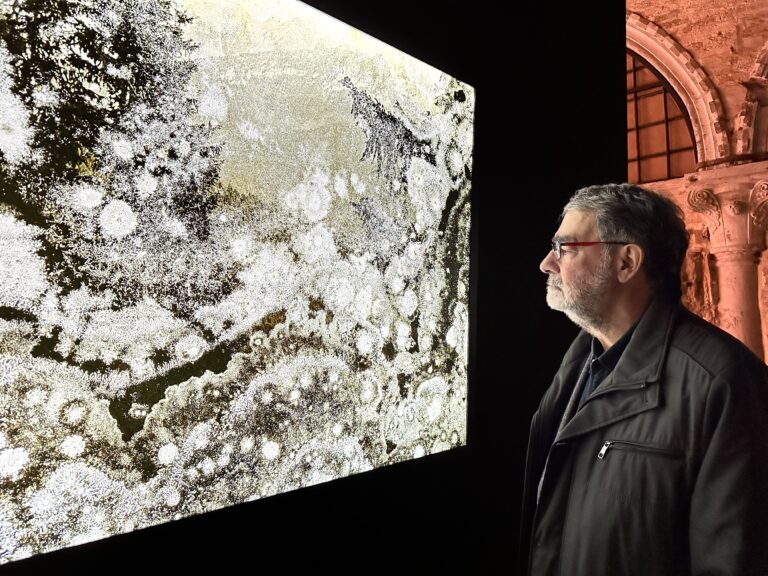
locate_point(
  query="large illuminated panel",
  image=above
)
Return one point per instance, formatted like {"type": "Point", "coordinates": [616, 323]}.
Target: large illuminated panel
{"type": "Point", "coordinates": [234, 260]}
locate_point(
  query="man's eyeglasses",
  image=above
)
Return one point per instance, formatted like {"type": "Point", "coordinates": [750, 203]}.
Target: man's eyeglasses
{"type": "Point", "coordinates": [557, 245]}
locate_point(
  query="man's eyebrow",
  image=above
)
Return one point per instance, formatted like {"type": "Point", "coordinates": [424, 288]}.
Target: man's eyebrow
{"type": "Point", "coordinates": [566, 238]}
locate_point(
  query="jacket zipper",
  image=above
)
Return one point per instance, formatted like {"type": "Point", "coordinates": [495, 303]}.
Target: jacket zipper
{"type": "Point", "coordinates": [627, 445]}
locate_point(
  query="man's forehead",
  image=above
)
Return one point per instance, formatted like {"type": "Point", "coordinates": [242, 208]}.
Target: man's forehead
{"type": "Point", "coordinates": [575, 224]}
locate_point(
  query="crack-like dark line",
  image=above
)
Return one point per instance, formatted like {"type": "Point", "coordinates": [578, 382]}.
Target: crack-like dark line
{"type": "Point", "coordinates": [10, 313]}
{"type": "Point", "coordinates": [150, 392]}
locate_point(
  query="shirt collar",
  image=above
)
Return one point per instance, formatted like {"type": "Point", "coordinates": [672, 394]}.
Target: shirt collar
{"type": "Point", "coordinates": [609, 358]}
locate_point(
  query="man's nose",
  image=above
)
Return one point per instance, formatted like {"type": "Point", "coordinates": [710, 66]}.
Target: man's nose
{"type": "Point", "coordinates": [549, 264]}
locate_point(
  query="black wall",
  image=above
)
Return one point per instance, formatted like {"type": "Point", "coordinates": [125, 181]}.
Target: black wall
{"type": "Point", "coordinates": [550, 118]}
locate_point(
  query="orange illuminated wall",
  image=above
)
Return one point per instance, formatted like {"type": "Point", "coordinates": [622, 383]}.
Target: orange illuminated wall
{"type": "Point", "coordinates": [697, 131]}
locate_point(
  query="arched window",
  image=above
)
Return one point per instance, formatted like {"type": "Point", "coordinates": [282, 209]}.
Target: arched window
{"type": "Point", "coordinates": [660, 140]}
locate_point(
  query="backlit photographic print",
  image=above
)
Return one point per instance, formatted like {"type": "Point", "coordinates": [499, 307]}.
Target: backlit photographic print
{"type": "Point", "coordinates": [234, 260]}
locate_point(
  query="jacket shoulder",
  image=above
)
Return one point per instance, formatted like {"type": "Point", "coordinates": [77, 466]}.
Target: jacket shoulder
{"type": "Point", "coordinates": [709, 346]}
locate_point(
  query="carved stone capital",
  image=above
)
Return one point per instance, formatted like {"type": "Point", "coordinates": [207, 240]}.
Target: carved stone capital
{"type": "Point", "coordinates": [704, 201]}
{"type": "Point", "coordinates": [735, 214]}
{"type": "Point", "coordinates": [758, 205]}
{"type": "Point", "coordinates": [736, 207]}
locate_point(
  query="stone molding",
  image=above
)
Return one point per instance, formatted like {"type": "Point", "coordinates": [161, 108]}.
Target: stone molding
{"type": "Point", "coordinates": [749, 122]}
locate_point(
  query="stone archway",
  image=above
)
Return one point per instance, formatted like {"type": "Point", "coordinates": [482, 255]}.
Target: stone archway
{"type": "Point", "coordinates": [751, 126]}
{"type": "Point", "coordinates": [688, 79]}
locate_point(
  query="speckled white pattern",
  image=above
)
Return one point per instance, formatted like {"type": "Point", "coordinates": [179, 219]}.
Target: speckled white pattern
{"type": "Point", "coordinates": [250, 279]}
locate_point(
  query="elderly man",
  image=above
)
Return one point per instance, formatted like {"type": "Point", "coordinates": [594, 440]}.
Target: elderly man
{"type": "Point", "coordinates": [649, 452]}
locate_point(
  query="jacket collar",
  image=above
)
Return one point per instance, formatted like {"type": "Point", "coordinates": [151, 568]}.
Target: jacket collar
{"type": "Point", "coordinates": [633, 386]}
{"type": "Point", "coordinates": [643, 359]}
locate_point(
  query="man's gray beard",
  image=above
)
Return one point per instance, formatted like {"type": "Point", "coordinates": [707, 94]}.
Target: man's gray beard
{"type": "Point", "coordinates": [583, 309]}
{"type": "Point", "coordinates": [591, 324]}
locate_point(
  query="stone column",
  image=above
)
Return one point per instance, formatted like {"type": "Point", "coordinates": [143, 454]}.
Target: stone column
{"type": "Point", "coordinates": [735, 214]}
{"type": "Point", "coordinates": [758, 210]}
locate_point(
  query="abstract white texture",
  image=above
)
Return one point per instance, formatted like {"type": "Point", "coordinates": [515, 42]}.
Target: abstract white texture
{"type": "Point", "coordinates": [237, 268]}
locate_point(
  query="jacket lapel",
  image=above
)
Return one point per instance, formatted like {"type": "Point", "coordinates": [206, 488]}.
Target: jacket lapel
{"type": "Point", "coordinates": [620, 403]}
{"type": "Point", "coordinates": [554, 402]}
{"type": "Point", "coordinates": [633, 387]}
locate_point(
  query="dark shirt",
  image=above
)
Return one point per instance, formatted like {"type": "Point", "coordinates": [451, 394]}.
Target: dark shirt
{"type": "Point", "coordinates": [602, 362]}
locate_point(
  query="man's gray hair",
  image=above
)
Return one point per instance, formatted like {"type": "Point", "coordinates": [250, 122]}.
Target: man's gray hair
{"type": "Point", "coordinates": [629, 213]}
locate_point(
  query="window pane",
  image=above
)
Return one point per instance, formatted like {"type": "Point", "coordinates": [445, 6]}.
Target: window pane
{"type": "Point", "coordinates": [650, 108]}
{"type": "Point", "coordinates": [632, 145]}
{"type": "Point", "coordinates": [653, 140]}
{"type": "Point", "coordinates": [653, 168]}
{"type": "Point", "coordinates": [631, 113]}
{"type": "Point", "coordinates": [645, 77]}
{"type": "Point", "coordinates": [679, 135]}
{"type": "Point", "coordinates": [659, 141]}
{"type": "Point", "coordinates": [681, 163]}
{"type": "Point", "coordinates": [673, 110]}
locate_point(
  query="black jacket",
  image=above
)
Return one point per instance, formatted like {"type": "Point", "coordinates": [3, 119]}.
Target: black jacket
{"type": "Point", "coordinates": [664, 470]}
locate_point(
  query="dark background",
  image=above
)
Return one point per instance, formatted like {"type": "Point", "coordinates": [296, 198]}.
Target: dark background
{"type": "Point", "coordinates": [550, 118]}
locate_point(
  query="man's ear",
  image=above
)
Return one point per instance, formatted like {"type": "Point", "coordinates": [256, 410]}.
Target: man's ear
{"type": "Point", "coordinates": [629, 262]}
